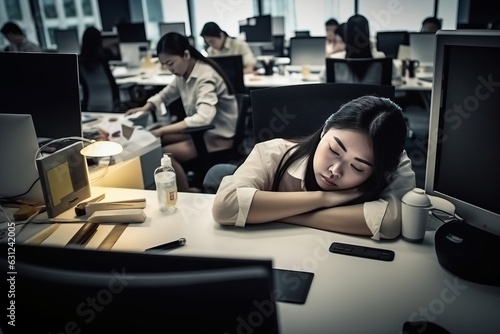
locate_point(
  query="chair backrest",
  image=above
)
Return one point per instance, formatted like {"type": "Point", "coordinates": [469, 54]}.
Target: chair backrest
{"type": "Point", "coordinates": [389, 41]}
{"type": "Point", "coordinates": [100, 91]}
{"type": "Point", "coordinates": [372, 71]}
{"type": "Point", "coordinates": [300, 110]}
{"type": "Point", "coordinates": [233, 68]}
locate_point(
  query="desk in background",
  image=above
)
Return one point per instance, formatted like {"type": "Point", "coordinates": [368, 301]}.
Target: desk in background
{"type": "Point", "coordinates": [347, 295]}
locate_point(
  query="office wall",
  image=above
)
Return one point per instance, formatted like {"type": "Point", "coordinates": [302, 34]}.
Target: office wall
{"type": "Point", "coordinates": [112, 12]}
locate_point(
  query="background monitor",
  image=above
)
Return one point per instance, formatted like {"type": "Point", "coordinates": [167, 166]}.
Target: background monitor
{"type": "Point", "coordinates": [257, 29]}
{"type": "Point", "coordinates": [111, 42]}
{"type": "Point", "coordinates": [307, 51]}
{"type": "Point", "coordinates": [278, 25]}
{"type": "Point", "coordinates": [463, 158]}
{"type": "Point", "coordinates": [46, 86]}
{"type": "Point", "coordinates": [423, 47]}
{"type": "Point", "coordinates": [67, 40]}
{"type": "Point", "coordinates": [141, 292]}
{"type": "Point", "coordinates": [178, 27]}
{"type": "Point", "coordinates": [18, 175]}
{"type": "Point", "coordinates": [132, 32]}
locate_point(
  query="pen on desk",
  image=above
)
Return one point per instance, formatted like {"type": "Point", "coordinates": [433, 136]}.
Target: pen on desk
{"type": "Point", "coordinates": [169, 245]}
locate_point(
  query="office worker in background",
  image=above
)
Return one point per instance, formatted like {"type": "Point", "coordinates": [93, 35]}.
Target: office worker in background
{"type": "Point", "coordinates": [207, 96]}
{"type": "Point", "coordinates": [92, 45]}
{"type": "Point", "coordinates": [430, 24]}
{"type": "Point", "coordinates": [332, 46]}
{"type": "Point", "coordinates": [221, 44]}
{"type": "Point", "coordinates": [348, 177]}
{"type": "Point", "coordinates": [358, 43]}
{"type": "Point", "coordinates": [17, 39]}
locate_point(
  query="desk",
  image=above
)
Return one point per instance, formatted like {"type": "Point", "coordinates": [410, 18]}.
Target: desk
{"type": "Point", "coordinates": [347, 295]}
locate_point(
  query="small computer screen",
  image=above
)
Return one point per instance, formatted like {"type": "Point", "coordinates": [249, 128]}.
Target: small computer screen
{"type": "Point", "coordinates": [67, 40]}
{"type": "Point", "coordinates": [46, 86]}
{"type": "Point", "coordinates": [422, 47]}
{"type": "Point", "coordinates": [178, 27]}
{"type": "Point", "coordinates": [111, 42]}
{"type": "Point", "coordinates": [257, 29]}
{"type": "Point", "coordinates": [18, 175]}
{"type": "Point", "coordinates": [132, 32]}
{"type": "Point", "coordinates": [307, 51]}
{"type": "Point", "coordinates": [278, 25]}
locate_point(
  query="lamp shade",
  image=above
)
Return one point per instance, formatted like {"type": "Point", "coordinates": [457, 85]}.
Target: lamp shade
{"type": "Point", "coordinates": [102, 148]}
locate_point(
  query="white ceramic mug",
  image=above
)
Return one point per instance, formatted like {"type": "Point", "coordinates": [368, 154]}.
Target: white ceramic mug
{"type": "Point", "coordinates": [415, 214]}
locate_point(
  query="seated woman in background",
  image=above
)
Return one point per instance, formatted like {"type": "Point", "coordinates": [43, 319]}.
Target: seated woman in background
{"type": "Point", "coordinates": [347, 177]}
{"type": "Point", "coordinates": [17, 39]}
{"type": "Point", "coordinates": [207, 97]}
{"type": "Point", "coordinates": [92, 45]}
{"type": "Point", "coordinates": [221, 44]}
{"type": "Point", "coordinates": [358, 44]}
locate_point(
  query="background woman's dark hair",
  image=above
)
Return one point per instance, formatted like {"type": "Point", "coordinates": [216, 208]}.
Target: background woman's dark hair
{"type": "Point", "coordinates": [175, 44]}
{"type": "Point", "coordinates": [212, 29]}
{"type": "Point", "coordinates": [381, 119]}
{"type": "Point", "coordinates": [92, 44]}
{"type": "Point", "coordinates": [357, 38]}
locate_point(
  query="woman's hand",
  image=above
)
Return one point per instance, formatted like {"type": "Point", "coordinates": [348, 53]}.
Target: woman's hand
{"type": "Point", "coordinates": [136, 110]}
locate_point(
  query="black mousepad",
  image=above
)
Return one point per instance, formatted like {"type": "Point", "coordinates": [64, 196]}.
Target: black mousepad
{"type": "Point", "coordinates": [292, 286]}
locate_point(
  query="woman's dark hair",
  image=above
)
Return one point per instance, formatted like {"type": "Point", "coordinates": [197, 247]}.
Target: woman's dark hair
{"type": "Point", "coordinates": [381, 119]}
{"type": "Point", "coordinates": [357, 41]}
{"type": "Point", "coordinates": [175, 44]}
{"type": "Point", "coordinates": [212, 29]}
{"type": "Point", "coordinates": [340, 31]}
{"type": "Point", "coordinates": [92, 44]}
{"type": "Point", "coordinates": [11, 27]}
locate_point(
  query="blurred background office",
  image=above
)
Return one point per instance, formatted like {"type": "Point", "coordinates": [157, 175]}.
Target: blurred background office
{"type": "Point", "coordinates": [39, 19]}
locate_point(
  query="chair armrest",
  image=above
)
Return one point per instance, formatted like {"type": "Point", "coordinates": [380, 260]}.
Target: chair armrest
{"type": "Point", "coordinates": [196, 129]}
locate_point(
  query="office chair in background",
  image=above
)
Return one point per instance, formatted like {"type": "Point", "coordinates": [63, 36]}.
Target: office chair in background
{"type": "Point", "coordinates": [100, 91]}
{"type": "Point", "coordinates": [232, 66]}
{"type": "Point", "coordinates": [198, 167]}
{"type": "Point", "coordinates": [372, 71]}
{"type": "Point", "coordinates": [389, 41]}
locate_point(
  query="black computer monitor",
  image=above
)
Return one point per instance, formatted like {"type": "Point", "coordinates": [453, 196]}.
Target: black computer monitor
{"type": "Point", "coordinates": [257, 29]}
{"type": "Point", "coordinates": [131, 32]}
{"type": "Point", "coordinates": [97, 291]}
{"type": "Point", "coordinates": [111, 42]}
{"type": "Point", "coordinates": [178, 27]}
{"type": "Point", "coordinates": [46, 86]}
{"type": "Point", "coordinates": [462, 156]}
{"type": "Point", "coordinates": [67, 40]}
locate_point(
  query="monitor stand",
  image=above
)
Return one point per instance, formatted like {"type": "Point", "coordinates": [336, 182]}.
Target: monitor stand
{"type": "Point", "coordinates": [469, 252]}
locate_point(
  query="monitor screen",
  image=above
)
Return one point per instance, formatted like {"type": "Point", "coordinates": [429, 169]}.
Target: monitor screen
{"type": "Point", "coordinates": [257, 29]}
{"type": "Point", "coordinates": [67, 40]}
{"type": "Point", "coordinates": [142, 292]}
{"type": "Point", "coordinates": [307, 51]}
{"type": "Point", "coordinates": [178, 27]}
{"type": "Point", "coordinates": [18, 175]}
{"type": "Point", "coordinates": [278, 25]}
{"type": "Point", "coordinates": [46, 86]}
{"type": "Point", "coordinates": [132, 32]}
{"type": "Point", "coordinates": [422, 47]}
{"type": "Point", "coordinates": [463, 130]}
{"type": "Point", "coordinates": [111, 42]}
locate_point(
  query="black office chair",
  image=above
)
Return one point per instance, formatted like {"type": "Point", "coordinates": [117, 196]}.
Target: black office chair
{"type": "Point", "coordinates": [233, 68]}
{"type": "Point", "coordinates": [372, 71]}
{"type": "Point", "coordinates": [300, 110]}
{"type": "Point", "coordinates": [205, 160]}
{"type": "Point", "coordinates": [100, 91]}
{"type": "Point", "coordinates": [389, 41]}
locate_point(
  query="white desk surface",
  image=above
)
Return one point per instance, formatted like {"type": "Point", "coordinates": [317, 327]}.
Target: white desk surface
{"type": "Point", "coordinates": [252, 81]}
{"type": "Point", "coordinates": [347, 295]}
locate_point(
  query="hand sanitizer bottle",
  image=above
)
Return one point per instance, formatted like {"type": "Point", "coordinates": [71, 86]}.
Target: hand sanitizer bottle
{"type": "Point", "coordinates": [166, 186]}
